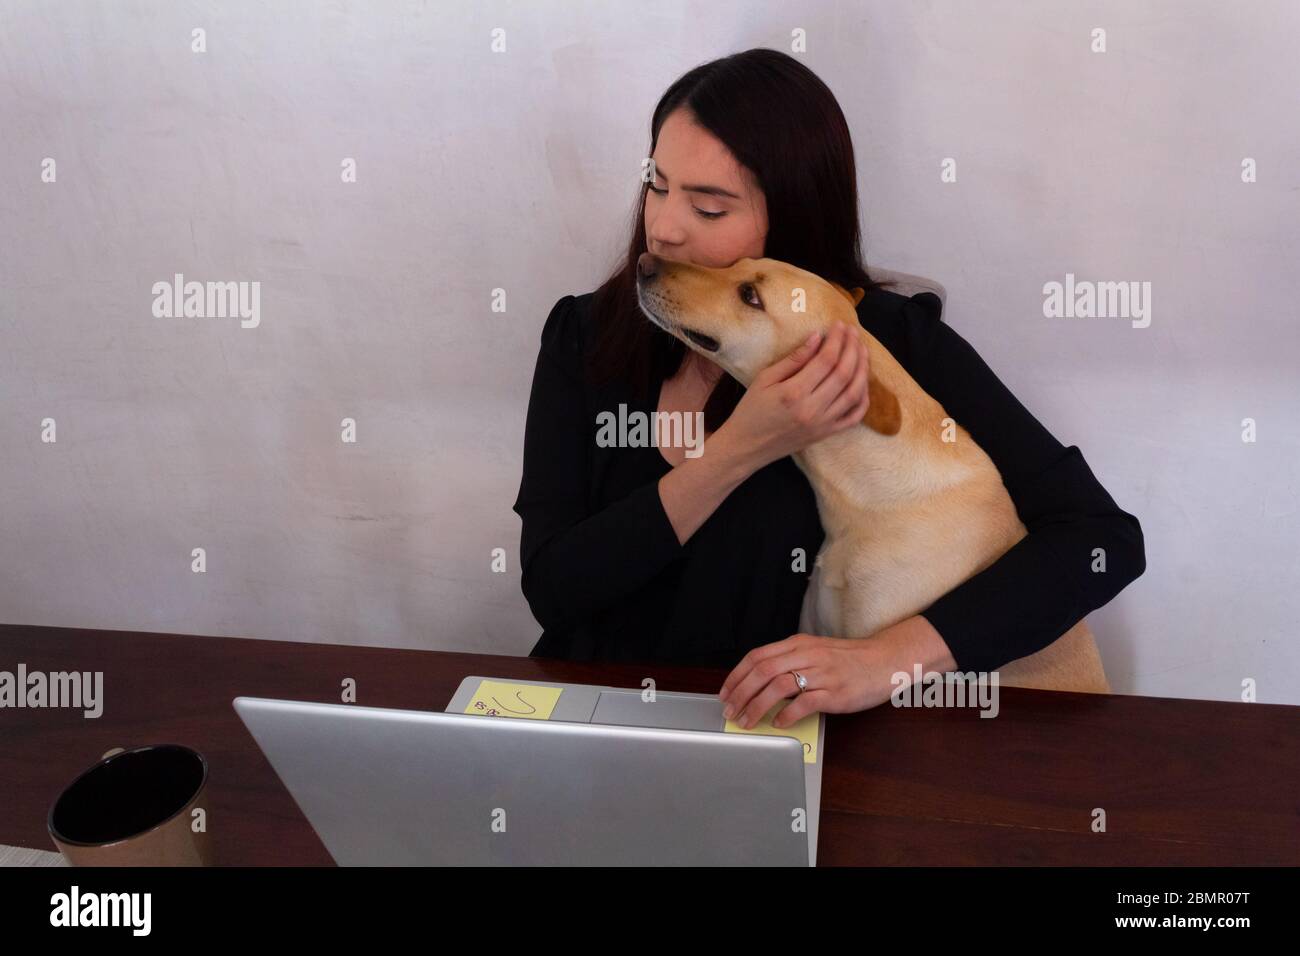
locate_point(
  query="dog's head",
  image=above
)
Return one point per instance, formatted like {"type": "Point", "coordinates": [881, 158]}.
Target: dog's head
{"type": "Point", "coordinates": [750, 314]}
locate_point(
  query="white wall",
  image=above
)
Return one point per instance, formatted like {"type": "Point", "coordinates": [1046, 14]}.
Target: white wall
{"type": "Point", "coordinates": [479, 170]}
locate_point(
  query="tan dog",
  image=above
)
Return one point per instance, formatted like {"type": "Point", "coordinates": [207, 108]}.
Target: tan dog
{"type": "Point", "coordinates": [907, 515]}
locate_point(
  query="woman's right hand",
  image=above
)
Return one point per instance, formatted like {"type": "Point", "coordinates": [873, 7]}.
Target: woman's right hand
{"type": "Point", "coordinates": [817, 390]}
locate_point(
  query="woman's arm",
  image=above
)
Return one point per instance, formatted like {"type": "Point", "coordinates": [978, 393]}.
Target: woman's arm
{"type": "Point", "coordinates": [693, 489]}
{"type": "Point", "coordinates": [1021, 603]}
{"type": "Point", "coordinates": [1046, 583]}
{"type": "Point", "coordinates": [574, 563]}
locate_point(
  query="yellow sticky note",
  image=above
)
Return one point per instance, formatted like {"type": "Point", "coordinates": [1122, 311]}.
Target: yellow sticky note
{"type": "Point", "coordinates": [804, 730]}
{"type": "Point", "coordinates": [498, 699]}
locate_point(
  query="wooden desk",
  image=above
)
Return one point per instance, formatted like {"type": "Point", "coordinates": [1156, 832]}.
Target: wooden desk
{"type": "Point", "coordinates": [1183, 782]}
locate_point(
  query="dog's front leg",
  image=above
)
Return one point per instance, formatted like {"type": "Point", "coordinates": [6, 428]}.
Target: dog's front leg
{"type": "Point", "coordinates": [808, 614]}
{"type": "Point", "coordinates": [822, 604]}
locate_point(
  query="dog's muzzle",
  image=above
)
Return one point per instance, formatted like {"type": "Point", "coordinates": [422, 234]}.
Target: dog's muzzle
{"type": "Point", "coordinates": [706, 342]}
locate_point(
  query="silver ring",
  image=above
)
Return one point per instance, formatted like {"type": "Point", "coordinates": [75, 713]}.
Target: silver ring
{"type": "Point", "coordinates": [801, 681]}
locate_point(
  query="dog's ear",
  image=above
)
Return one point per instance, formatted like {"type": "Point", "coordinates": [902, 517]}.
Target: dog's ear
{"type": "Point", "coordinates": [883, 412]}
{"type": "Point", "coordinates": [854, 297]}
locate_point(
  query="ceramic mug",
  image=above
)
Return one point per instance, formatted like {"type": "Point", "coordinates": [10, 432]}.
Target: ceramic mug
{"type": "Point", "coordinates": [136, 808]}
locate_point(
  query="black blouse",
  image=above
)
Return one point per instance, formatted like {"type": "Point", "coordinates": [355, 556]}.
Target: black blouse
{"type": "Point", "coordinates": [605, 576]}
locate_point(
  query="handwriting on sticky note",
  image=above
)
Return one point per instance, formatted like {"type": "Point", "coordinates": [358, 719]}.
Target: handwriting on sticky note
{"type": "Point", "coordinates": [804, 730]}
{"type": "Point", "coordinates": [499, 699]}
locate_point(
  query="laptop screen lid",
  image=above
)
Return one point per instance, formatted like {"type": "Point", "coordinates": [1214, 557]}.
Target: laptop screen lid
{"type": "Point", "coordinates": [403, 787]}
{"type": "Point", "coordinates": [639, 707]}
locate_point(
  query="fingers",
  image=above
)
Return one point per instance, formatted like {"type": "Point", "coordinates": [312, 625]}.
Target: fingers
{"type": "Point", "coordinates": [809, 702]}
{"type": "Point", "coordinates": [781, 686]}
{"type": "Point", "coordinates": [856, 395]}
{"type": "Point", "coordinates": [751, 660]}
{"type": "Point", "coordinates": [855, 414]}
{"type": "Point", "coordinates": [823, 363]}
{"type": "Point", "coordinates": [769, 678]}
{"type": "Point", "coordinates": [834, 385]}
{"type": "Point", "coordinates": [783, 368]}
{"type": "Point", "coordinates": [832, 371]}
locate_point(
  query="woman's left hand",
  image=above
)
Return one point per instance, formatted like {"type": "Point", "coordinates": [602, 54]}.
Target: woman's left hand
{"type": "Point", "coordinates": [844, 675]}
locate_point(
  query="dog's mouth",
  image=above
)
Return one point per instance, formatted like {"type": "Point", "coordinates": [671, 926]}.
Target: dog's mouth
{"type": "Point", "coordinates": [708, 343]}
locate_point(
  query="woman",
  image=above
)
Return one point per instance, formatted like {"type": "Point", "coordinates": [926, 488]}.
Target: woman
{"type": "Point", "coordinates": [644, 553]}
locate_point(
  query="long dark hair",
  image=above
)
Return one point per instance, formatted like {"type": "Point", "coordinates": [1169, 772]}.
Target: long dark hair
{"type": "Point", "coordinates": [781, 122]}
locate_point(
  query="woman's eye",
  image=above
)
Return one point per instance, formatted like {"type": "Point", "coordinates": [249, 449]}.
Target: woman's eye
{"type": "Point", "coordinates": [749, 295]}
{"type": "Point", "coordinates": [701, 212]}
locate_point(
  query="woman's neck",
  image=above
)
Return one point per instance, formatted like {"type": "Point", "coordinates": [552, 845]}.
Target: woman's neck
{"type": "Point", "coordinates": [701, 369]}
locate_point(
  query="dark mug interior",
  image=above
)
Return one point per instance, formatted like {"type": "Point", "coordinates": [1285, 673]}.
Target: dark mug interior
{"type": "Point", "coordinates": [128, 794]}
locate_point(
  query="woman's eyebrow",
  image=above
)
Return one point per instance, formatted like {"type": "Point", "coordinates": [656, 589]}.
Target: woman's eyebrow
{"type": "Point", "coordinates": [709, 190]}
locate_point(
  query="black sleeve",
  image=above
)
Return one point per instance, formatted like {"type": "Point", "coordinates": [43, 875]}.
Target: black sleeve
{"type": "Point", "coordinates": [574, 563]}
{"type": "Point", "coordinates": [1046, 583]}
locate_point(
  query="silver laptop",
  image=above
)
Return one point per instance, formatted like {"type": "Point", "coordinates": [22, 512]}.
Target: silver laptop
{"type": "Point", "coordinates": [601, 777]}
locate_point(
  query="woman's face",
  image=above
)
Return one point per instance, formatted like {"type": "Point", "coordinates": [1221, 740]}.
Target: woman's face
{"type": "Point", "coordinates": [702, 207]}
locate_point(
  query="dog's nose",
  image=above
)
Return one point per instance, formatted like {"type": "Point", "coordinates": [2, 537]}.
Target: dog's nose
{"type": "Point", "coordinates": [646, 265]}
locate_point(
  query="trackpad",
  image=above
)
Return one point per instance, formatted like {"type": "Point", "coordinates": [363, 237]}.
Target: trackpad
{"type": "Point", "coordinates": [626, 708]}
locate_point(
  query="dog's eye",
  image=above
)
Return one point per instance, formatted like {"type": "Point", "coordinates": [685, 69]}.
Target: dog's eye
{"type": "Point", "coordinates": [749, 295]}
